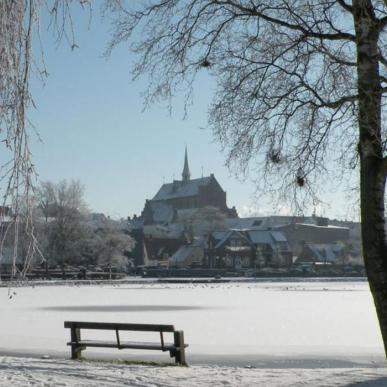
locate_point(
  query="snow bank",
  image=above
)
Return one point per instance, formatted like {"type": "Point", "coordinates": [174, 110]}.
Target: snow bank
{"type": "Point", "coordinates": [58, 372]}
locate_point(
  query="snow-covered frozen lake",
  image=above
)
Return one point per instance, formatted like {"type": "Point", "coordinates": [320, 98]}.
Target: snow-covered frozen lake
{"type": "Point", "coordinates": [284, 324]}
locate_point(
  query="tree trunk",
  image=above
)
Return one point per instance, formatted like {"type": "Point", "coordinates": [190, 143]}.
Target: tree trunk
{"type": "Point", "coordinates": [372, 164]}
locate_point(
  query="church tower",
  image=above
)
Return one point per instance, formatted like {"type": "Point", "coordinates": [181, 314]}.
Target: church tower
{"type": "Point", "coordinates": [186, 174]}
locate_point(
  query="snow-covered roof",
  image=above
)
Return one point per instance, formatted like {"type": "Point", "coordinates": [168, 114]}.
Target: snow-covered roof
{"type": "Point", "coordinates": [260, 237]}
{"type": "Point", "coordinates": [326, 252]}
{"type": "Point", "coordinates": [179, 189]}
{"type": "Point", "coordinates": [278, 236]}
{"type": "Point", "coordinates": [266, 236]}
{"type": "Point", "coordinates": [227, 235]}
{"type": "Point", "coordinates": [220, 241]}
{"type": "Point", "coordinates": [321, 227]}
{"type": "Point", "coordinates": [219, 235]}
{"type": "Point", "coordinates": [276, 221]}
{"type": "Point", "coordinates": [162, 212]}
{"type": "Point", "coordinates": [171, 231]}
{"type": "Point", "coordinates": [244, 223]}
{"type": "Point", "coordinates": [183, 253]}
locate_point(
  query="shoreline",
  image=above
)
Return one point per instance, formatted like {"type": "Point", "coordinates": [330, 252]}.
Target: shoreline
{"type": "Point", "coordinates": [249, 361]}
{"type": "Point", "coordinates": [188, 280]}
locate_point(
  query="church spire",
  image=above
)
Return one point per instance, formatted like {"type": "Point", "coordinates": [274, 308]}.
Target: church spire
{"type": "Point", "coordinates": [186, 174]}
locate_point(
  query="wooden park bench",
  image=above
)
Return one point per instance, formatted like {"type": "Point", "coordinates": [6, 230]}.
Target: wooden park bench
{"type": "Point", "coordinates": [176, 349]}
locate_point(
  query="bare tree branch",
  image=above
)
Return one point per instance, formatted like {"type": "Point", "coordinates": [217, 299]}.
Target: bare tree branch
{"type": "Point", "coordinates": [300, 92]}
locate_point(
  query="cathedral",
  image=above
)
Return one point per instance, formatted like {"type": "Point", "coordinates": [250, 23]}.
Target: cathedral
{"type": "Point", "coordinates": [185, 195]}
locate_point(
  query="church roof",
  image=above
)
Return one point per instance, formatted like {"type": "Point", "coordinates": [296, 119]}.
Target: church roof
{"type": "Point", "coordinates": [179, 189]}
{"type": "Point", "coordinates": [162, 212]}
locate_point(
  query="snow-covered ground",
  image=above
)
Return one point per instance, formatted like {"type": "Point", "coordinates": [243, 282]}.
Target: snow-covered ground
{"type": "Point", "coordinates": [59, 372]}
{"type": "Point", "coordinates": [271, 334]}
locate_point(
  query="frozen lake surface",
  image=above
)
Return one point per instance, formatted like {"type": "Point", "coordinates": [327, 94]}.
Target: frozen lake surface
{"type": "Point", "coordinates": [298, 324]}
{"type": "Point", "coordinates": [286, 334]}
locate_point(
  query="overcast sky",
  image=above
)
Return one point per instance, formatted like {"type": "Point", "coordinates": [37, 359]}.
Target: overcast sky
{"type": "Point", "coordinates": [90, 118]}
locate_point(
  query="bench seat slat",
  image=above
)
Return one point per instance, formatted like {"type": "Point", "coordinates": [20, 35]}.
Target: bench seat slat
{"type": "Point", "coordinates": [119, 326]}
{"type": "Point", "coordinates": [123, 344]}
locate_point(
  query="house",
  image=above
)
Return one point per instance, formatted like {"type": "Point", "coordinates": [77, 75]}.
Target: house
{"type": "Point", "coordinates": [333, 253]}
{"type": "Point", "coordinates": [238, 249]}
{"type": "Point", "coordinates": [299, 234]}
{"type": "Point", "coordinates": [272, 248]}
{"type": "Point", "coordinates": [230, 249]}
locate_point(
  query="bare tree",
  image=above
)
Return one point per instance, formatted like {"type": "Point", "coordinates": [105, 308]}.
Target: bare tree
{"type": "Point", "coordinates": [46, 197]}
{"type": "Point", "coordinates": [201, 221]}
{"type": "Point", "coordinates": [64, 211]}
{"type": "Point", "coordinates": [112, 244]}
{"type": "Point", "coordinates": [19, 25]}
{"type": "Point", "coordinates": [300, 91]}
{"type": "Point", "coordinates": [16, 21]}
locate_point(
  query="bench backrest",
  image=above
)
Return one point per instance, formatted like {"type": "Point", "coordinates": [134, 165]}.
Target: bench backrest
{"type": "Point", "coordinates": [119, 326]}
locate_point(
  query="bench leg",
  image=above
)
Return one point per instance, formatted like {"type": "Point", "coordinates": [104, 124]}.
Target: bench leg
{"type": "Point", "coordinates": [75, 338]}
{"type": "Point", "coordinates": [180, 348]}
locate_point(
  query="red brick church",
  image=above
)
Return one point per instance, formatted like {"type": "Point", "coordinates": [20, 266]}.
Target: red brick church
{"type": "Point", "coordinates": [185, 194]}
